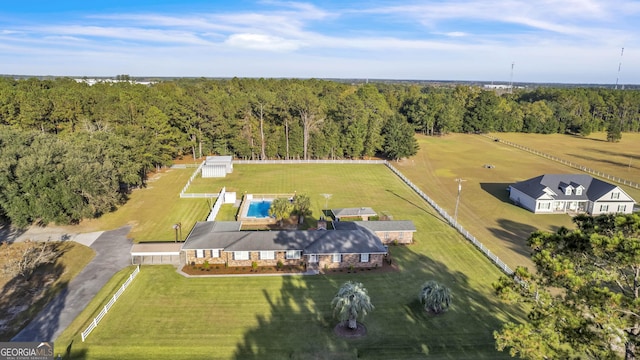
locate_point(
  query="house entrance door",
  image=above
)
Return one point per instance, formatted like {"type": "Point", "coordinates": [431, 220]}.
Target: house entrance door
{"type": "Point", "coordinates": [313, 258]}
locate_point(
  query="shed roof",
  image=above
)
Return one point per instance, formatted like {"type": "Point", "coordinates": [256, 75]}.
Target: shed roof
{"type": "Point", "coordinates": [216, 160]}
{"type": "Point", "coordinates": [353, 212]}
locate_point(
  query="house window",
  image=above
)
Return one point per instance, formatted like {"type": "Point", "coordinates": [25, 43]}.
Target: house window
{"type": "Point", "coordinates": [199, 253]}
{"type": "Point", "coordinates": [615, 195]}
{"type": "Point", "coordinates": [336, 258]}
{"type": "Point", "coordinates": [386, 236]}
{"type": "Point", "coordinates": [544, 205]}
{"type": "Point", "coordinates": [579, 191]}
{"type": "Point", "coordinates": [267, 255]}
{"type": "Point", "coordinates": [622, 208]}
{"type": "Point", "coordinates": [400, 235]}
{"type": "Point", "coordinates": [240, 255]}
{"type": "Point", "coordinates": [215, 253]}
{"type": "Point", "coordinates": [567, 191]}
{"type": "Point", "coordinates": [364, 258]}
{"type": "Point", "coordinates": [292, 254]}
{"type": "Point", "coordinates": [604, 208]}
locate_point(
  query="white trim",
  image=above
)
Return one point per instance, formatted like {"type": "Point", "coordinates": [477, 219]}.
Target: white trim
{"type": "Point", "coordinates": [267, 255]}
{"type": "Point", "coordinates": [293, 254]}
{"type": "Point", "coordinates": [236, 255]}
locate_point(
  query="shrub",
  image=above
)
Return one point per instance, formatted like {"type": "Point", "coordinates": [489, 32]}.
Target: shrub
{"type": "Point", "coordinates": [279, 265]}
{"type": "Point", "coordinates": [206, 265]}
{"type": "Point", "coordinates": [254, 265]}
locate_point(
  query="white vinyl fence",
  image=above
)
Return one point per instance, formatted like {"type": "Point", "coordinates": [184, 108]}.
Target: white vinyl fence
{"type": "Point", "coordinates": [216, 207]}
{"type": "Point", "coordinates": [493, 257]}
{"type": "Point", "coordinates": [569, 163]}
{"type": "Point", "coordinates": [106, 308]}
{"type": "Point", "coordinates": [440, 210]}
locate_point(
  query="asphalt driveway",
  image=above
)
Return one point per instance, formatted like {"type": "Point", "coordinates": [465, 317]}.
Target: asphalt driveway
{"type": "Point", "coordinates": [112, 255]}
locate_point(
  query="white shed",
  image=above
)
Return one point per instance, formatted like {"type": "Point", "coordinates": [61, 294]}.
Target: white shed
{"type": "Point", "coordinates": [217, 166]}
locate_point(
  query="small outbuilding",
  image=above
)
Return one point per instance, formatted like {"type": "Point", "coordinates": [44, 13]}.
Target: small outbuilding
{"type": "Point", "coordinates": [361, 213]}
{"type": "Point", "coordinates": [217, 166]}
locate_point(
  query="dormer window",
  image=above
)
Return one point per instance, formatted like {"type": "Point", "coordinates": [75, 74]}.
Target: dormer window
{"type": "Point", "coordinates": [579, 191]}
{"type": "Point", "coordinates": [566, 188]}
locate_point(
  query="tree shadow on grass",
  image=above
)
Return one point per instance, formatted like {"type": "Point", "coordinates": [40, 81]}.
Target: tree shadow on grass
{"type": "Point", "coordinates": [425, 209]}
{"type": "Point", "coordinates": [604, 160]}
{"type": "Point", "coordinates": [21, 302]}
{"type": "Point", "coordinates": [300, 322]}
{"type": "Point", "coordinates": [515, 234]}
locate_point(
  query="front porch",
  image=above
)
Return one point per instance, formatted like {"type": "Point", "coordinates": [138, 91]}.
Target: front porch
{"type": "Point", "coordinates": [570, 206]}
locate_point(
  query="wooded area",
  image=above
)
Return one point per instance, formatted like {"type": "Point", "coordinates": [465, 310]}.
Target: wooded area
{"type": "Point", "coordinates": [70, 151]}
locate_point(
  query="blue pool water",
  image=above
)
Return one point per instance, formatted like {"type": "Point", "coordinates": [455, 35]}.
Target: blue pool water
{"type": "Point", "coordinates": [259, 209]}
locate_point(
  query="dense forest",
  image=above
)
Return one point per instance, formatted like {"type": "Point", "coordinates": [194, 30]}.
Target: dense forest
{"type": "Point", "coordinates": [69, 150]}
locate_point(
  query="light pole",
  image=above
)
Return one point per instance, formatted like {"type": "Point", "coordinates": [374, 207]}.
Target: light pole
{"type": "Point", "coordinates": [455, 214]}
{"type": "Point", "coordinates": [178, 227]}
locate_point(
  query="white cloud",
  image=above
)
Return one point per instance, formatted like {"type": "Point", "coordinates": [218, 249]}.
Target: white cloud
{"type": "Point", "coordinates": [261, 42]}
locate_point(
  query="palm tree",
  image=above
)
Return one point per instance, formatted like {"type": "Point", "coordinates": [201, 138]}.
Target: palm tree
{"type": "Point", "coordinates": [435, 297]}
{"type": "Point", "coordinates": [350, 302]}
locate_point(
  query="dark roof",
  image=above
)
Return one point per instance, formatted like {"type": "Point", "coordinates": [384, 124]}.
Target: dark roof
{"type": "Point", "coordinates": [345, 242]}
{"type": "Point", "coordinates": [359, 240]}
{"type": "Point", "coordinates": [594, 188]}
{"type": "Point", "coordinates": [353, 212]}
{"type": "Point", "coordinates": [390, 225]}
{"type": "Point", "coordinates": [201, 236]}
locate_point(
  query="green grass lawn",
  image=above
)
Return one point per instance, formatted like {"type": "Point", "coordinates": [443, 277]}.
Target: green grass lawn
{"type": "Point", "coordinates": [164, 315]}
{"type": "Point", "coordinates": [153, 210]}
{"type": "Point", "coordinates": [621, 159]}
{"type": "Point", "coordinates": [484, 209]}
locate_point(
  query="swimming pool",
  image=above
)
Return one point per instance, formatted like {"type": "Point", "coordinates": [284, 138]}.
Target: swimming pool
{"type": "Point", "coordinates": [259, 209]}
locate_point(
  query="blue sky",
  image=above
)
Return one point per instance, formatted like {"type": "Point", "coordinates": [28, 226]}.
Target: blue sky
{"type": "Point", "coordinates": [565, 41]}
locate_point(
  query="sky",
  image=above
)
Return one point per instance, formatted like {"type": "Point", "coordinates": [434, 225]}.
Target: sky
{"type": "Point", "coordinates": [542, 41]}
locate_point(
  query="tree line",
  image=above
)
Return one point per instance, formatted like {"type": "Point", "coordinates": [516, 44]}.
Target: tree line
{"type": "Point", "coordinates": [70, 150]}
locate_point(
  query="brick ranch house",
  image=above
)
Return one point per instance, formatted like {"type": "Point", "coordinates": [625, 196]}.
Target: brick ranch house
{"type": "Point", "coordinates": [356, 244]}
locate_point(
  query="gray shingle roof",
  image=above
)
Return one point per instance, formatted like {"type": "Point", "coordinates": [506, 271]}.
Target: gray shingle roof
{"type": "Point", "coordinates": [594, 188]}
{"type": "Point", "coordinates": [352, 212]}
{"type": "Point", "coordinates": [207, 235]}
{"type": "Point", "coordinates": [391, 225]}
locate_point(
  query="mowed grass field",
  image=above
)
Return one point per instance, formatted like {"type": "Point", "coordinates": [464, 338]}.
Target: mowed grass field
{"type": "Point", "coordinates": [153, 210]}
{"type": "Point", "coordinates": [621, 159]}
{"type": "Point", "coordinates": [485, 209]}
{"type": "Point", "coordinates": [165, 315]}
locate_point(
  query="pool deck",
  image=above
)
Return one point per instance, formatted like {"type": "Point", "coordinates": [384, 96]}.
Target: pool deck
{"type": "Point", "coordinates": [244, 208]}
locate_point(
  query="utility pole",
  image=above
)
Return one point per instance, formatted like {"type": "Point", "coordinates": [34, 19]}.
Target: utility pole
{"type": "Point", "coordinates": [511, 78]}
{"type": "Point", "coordinates": [619, 66]}
{"type": "Point", "coordinates": [455, 214]}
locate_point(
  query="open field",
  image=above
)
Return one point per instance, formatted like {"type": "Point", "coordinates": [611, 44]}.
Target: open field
{"type": "Point", "coordinates": [621, 159]}
{"type": "Point", "coordinates": [153, 210]}
{"type": "Point", "coordinates": [164, 315]}
{"type": "Point", "coordinates": [485, 209]}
